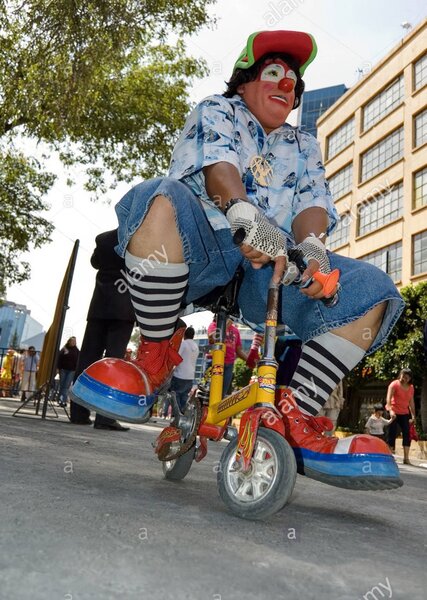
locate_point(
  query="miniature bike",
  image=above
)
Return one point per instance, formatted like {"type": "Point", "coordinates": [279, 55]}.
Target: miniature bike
{"type": "Point", "coordinates": [257, 469]}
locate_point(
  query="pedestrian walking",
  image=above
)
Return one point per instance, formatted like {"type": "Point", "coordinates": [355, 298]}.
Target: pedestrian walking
{"type": "Point", "coordinates": [67, 364]}
{"type": "Point", "coordinates": [30, 367]}
{"type": "Point", "coordinates": [6, 373]}
{"type": "Point", "coordinates": [400, 403]}
{"type": "Point", "coordinates": [183, 376]}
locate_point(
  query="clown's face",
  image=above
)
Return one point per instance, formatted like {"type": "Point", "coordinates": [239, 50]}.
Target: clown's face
{"type": "Point", "coordinates": [271, 96]}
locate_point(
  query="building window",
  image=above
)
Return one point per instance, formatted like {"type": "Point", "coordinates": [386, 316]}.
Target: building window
{"type": "Point", "coordinates": [420, 253]}
{"type": "Point", "coordinates": [420, 188]}
{"type": "Point", "coordinates": [341, 235]}
{"type": "Point", "coordinates": [420, 72]}
{"type": "Point", "coordinates": [383, 103]}
{"type": "Point", "coordinates": [388, 259]}
{"type": "Point", "coordinates": [341, 138]}
{"type": "Point", "coordinates": [341, 183]}
{"type": "Point", "coordinates": [377, 211]}
{"type": "Point", "coordinates": [420, 129]}
{"type": "Point", "coordinates": [383, 154]}
{"type": "Point", "coordinates": [315, 103]}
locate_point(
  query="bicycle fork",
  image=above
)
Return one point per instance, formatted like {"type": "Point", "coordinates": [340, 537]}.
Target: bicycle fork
{"type": "Point", "coordinates": [264, 410]}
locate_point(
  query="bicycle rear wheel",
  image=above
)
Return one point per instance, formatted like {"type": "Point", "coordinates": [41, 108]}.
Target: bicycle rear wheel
{"type": "Point", "coordinates": [177, 469]}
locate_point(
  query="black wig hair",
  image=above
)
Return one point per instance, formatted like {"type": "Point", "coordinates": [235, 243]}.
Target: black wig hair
{"type": "Point", "coordinates": [406, 372]}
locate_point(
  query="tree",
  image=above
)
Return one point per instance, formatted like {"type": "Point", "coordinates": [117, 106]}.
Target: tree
{"type": "Point", "coordinates": [14, 342]}
{"type": "Point", "coordinates": [96, 83]}
{"type": "Point", "coordinates": [242, 373]}
{"type": "Point", "coordinates": [404, 347]}
{"type": "Point", "coordinates": [22, 186]}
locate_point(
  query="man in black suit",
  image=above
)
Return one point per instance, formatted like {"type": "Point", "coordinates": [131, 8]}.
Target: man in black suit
{"type": "Point", "coordinates": [110, 320]}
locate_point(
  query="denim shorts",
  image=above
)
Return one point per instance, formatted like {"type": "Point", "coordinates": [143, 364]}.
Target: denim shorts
{"type": "Point", "coordinates": [212, 259]}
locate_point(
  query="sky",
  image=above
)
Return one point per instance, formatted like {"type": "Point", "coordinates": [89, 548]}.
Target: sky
{"type": "Point", "coordinates": [351, 35]}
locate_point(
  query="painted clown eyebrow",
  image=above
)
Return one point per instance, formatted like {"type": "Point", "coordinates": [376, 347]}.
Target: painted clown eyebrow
{"type": "Point", "coordinates": [276, 71]}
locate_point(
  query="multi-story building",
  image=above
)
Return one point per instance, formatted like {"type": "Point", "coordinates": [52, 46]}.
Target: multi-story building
{"type": "Point", "coordinates": [12, 323]}
{"type": "Point", "coordinates": [18, 328]}
{"type": "Point", "coordinates": [314, 103]}
{"type": "Point", "coordinates": [374, 142]}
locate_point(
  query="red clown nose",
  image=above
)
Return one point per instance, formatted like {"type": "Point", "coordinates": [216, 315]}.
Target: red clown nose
{"type": "Point", "coordinates": [286, 85]}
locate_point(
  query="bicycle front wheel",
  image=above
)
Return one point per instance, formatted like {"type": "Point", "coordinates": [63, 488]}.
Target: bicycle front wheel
{"type": "Point", "coordinates": [268, 484]}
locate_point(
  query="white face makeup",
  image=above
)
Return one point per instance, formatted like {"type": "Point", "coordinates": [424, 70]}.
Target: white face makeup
{"type": "Point", "coordinates": [275, 72]}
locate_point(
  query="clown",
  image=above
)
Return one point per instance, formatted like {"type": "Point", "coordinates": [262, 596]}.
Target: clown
{"type": "Point", "coordinates": [239, 169]}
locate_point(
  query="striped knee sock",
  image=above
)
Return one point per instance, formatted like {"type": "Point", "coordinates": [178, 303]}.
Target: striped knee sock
{"type": "Point", "coordinates": [156, 291]}
{"type": "Point", "coordinates": [324, 361]}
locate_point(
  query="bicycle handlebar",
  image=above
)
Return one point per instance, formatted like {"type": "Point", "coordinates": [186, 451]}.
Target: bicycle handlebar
{"type": "Point", "coordinates": [329, 281]}
{"type": "Point", "coordinates": [296, 267]}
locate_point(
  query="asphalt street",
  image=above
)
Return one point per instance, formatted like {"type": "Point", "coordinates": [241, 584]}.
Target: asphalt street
{"type": "Point", "coordinates": [85, 514]}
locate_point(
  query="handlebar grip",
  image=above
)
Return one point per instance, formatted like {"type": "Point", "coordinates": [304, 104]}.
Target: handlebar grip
{"type": "Point", "coordinates": [239, 236]}
{"type": "Point", "coordinates": [329, 281]}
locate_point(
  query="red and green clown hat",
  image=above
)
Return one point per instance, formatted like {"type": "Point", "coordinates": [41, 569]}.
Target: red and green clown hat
{"type": "Point", "coordinates": [301, 46]}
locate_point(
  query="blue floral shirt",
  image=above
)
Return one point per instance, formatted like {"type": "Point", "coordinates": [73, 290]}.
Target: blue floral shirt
{"type": "Point", "coordinates": [224, 130]}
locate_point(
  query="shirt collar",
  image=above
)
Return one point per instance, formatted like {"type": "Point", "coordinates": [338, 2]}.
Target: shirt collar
{"type": "Point", "coordinates": [237, 99]}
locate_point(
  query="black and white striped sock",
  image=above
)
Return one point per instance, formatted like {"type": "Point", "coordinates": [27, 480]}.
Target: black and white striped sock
{"type": "Point", "coordinates": [324, 361]}
{"type": "Point", "coordinates": [156, 291]}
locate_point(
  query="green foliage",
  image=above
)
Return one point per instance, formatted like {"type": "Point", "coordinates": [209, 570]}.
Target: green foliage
{"type": "Point", "coordinates": [14, 342]}
{"type": "Point", "coordinates": [241, 373]}
{"type": "Point", "coordinates": [95, 82]}
{"type": "Point", "coordinates": [22, 185]}
{"type": "Point", "coordinates": [419, 429]}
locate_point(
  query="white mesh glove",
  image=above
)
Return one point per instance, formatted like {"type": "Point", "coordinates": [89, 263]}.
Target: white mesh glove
{"type": "Point", "coordinates": [312, 247]}
{"type": "Point", "coordinates": [258, 231]}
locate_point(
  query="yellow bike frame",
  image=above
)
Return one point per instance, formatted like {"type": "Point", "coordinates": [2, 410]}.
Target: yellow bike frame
{"type": "Point", "coordinates": [260, 392]}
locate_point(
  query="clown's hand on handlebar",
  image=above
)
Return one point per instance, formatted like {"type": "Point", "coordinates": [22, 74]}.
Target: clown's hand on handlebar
{"type": "Point", "coordinates": [309, 263]}
{"type": "Point", "coordinates": [313, 249]}
{"type": "Point", "coordinates": [249, 226]}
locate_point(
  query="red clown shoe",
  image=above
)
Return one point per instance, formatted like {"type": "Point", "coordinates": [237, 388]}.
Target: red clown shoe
{"type": "Point", "coordinates": [359, 462]}
{"type": "Point", "coordinates": [126, 390]}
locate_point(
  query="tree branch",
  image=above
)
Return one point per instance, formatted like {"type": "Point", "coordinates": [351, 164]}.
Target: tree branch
{"type": "Point", "coordinates": [9, 126]}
